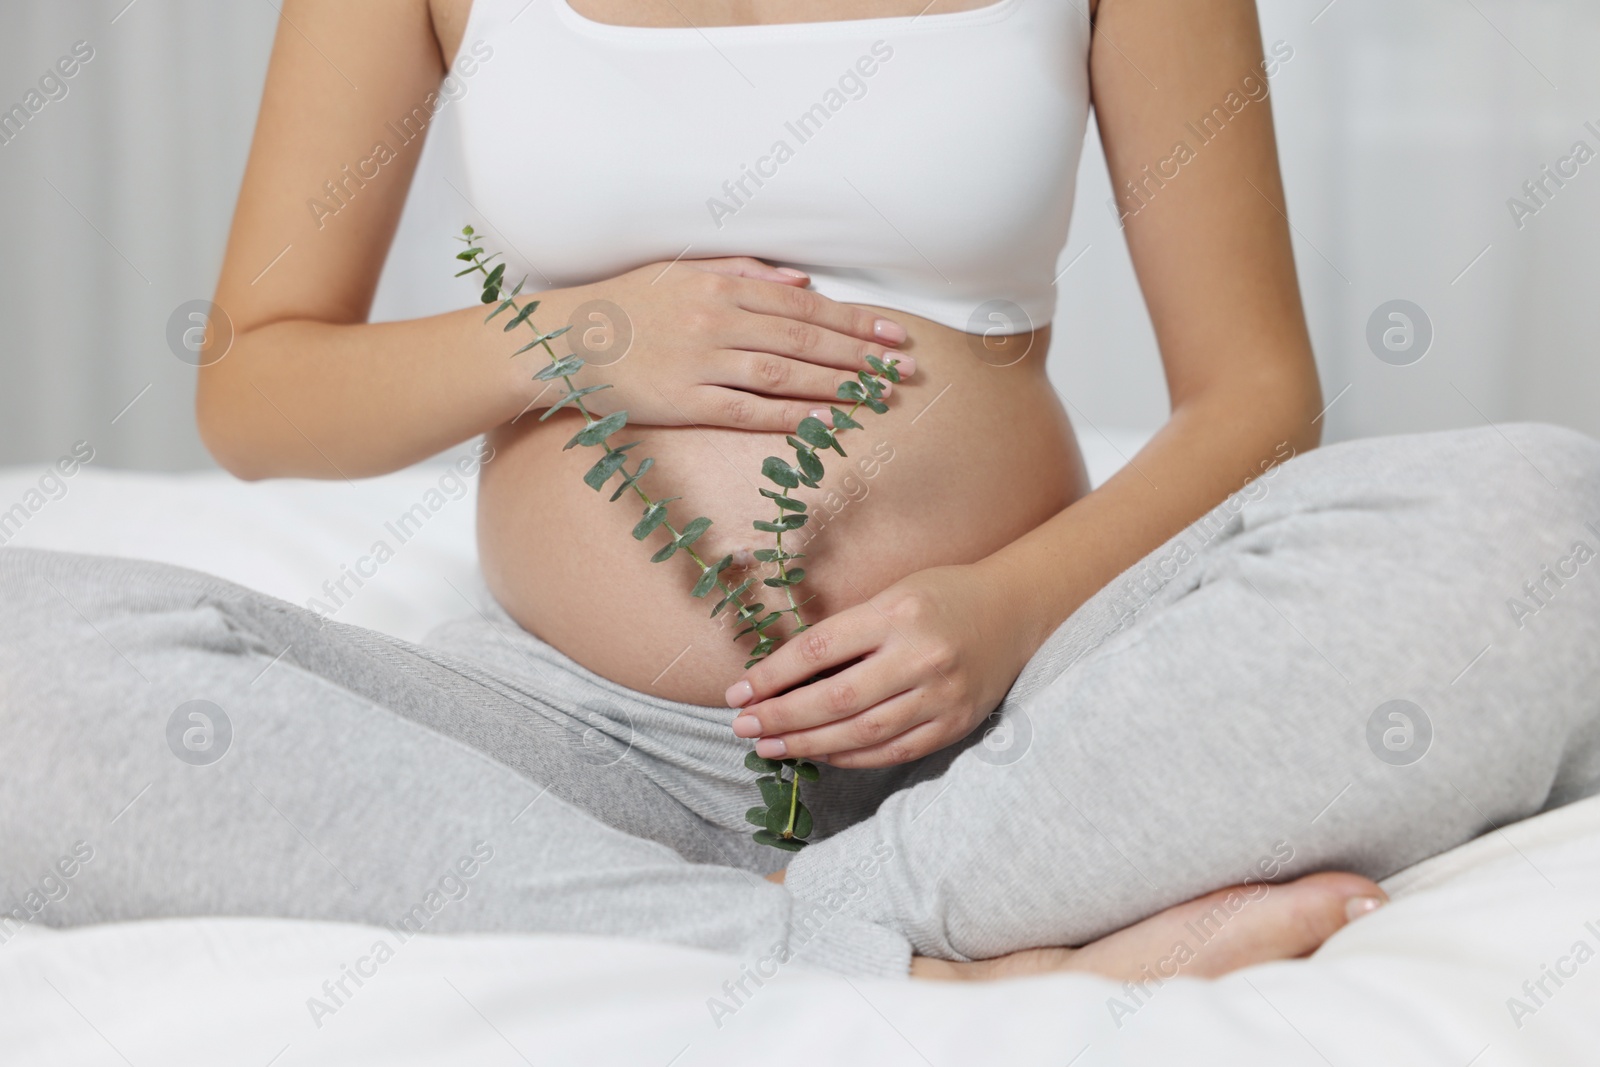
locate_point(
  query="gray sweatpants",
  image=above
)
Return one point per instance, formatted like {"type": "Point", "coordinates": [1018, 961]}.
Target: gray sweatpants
{"type": "Point", "coordinates": [1371, 654]}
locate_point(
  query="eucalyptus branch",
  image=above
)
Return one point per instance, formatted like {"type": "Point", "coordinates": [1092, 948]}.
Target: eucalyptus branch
{"type": "Point", "coordinates": [784, 821]}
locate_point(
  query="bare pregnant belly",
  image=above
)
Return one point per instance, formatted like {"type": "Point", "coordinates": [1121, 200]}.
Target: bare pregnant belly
{"type": "Point", "coordinates": [974, 451]}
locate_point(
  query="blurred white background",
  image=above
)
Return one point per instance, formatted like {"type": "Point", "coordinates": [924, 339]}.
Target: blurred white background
{"type": "Point", "coordinates": [1405, 127]}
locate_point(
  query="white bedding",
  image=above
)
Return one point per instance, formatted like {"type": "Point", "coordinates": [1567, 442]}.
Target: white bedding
{"type": "Point", "coordinates": [1428, 980]}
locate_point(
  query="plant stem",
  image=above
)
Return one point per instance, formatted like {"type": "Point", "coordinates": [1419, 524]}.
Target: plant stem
{"type": "Point", "coordinates": [794, 799]}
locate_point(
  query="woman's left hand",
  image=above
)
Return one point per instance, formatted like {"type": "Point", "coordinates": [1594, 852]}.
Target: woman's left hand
{"type": "Point", "coordinates": [937, 652]}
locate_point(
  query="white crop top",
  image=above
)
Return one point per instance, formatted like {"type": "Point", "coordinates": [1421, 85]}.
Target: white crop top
{"type": "Point", "coordinates": [924, 163]}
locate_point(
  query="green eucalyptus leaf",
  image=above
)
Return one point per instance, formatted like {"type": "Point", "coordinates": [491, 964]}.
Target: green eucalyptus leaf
{"type": "Point", "coordinates": [787, 503]}
{"type": "Point", "coordinates": [707, 582]}
{"type": "Point", "coordinates": [767, 837]}
{"type": "Point", "coordinates": [559, 369]}
{"type": "Point", "coordinates": [691, 533]}
{"type": "Point", "coordinates": [877, 365]}
{"type": "Point", "coordinates": [851, 390]}
{"type": "Point", "coordinates": [606, 466]}
{"type": "Point", "coordinates": [629, 480]}
{"type": "Point", "coordinates": [521, 316]}
{"type": "Point", "coordinates": [665, 552]}
{"type": "Point", "coordinates": [469, 270]}
{"type": "Point", "coordinates": [809, 772]}
{"type": "Point", "coordinates": [768, 527]}
{"type": "Point", "coordinates": [496, 274]}
{"type": "Point", "coordinates": [527, 310]}
{"type": "Point", "coordinates": [802, 821]}
{"type": "Point", "coordinates": [811, 466]}
{"type": "Point", "coordinates": [598, 431]}
{"type": "Point", "coordinates": [471, 253]}
{"type": "Point", "coordinates": [756, 816]}
{"type": "Point", "coordinates": [572, 396]}
{"type": "Point", "coordinates": [780, 472]}
{"type": "Point", "coordinates": [842, 421]}
{"type": "Point", "coordinates": [733, 597]}
{"type": "Point", "coordinates": [772, 793]}
{"type": "Point", "coordinates": [654, 516]}
{"type": "Point", "coordinates": [777, 820]}
{"type": "Point", "coordinates": [760, 764]}
{"type": "Point", "coordinates": [892, 371]}
{"type": "Point", "coordinates": [876, 405]}
{"type": "Point", "coordinates": [543, 337]}
{"type": "Point", "coordinates": [814, 432]}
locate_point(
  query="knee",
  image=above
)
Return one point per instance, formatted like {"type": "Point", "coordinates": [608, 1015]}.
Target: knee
{"type": "Point", "coordinates": [1528, 475]}
{"type": "Point", "coordinates": [1567, 460]}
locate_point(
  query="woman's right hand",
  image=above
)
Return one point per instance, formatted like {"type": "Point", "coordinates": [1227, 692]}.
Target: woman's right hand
{"type": "Point", "coordinates": [713, 342]}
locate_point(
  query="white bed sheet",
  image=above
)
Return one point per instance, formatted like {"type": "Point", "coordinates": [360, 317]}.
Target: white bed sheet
{"type": "Point", "coordinates": [1428, 980]}
{"type": "Point", "coordinates": [1422, 982]}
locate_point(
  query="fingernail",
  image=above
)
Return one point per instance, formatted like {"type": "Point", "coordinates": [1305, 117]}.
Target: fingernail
{"type": "Point", "coordinates": [905, 364]}
{"type": "Point", "coordinates": [823, 414]}
{"type": "Point", "coordinates": [771, 748]}
{"type": "Point", "coordinates": [888, 387]}
{"type": "Point", "coordinates": [889, 330]}
{"type": "Point", "coordinates": [747, 726]}
{"type": "Point", "coordinates": [790, 272]}
{"type": "Point", "coordinates": [1356, 907]}
{"type": "Point", "coordinates": [739, 694]}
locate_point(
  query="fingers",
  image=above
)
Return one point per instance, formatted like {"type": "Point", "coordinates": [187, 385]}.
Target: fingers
{"type": "Point", "coordinates": [714, 405]}
{"type": "Point", "coordinates": [795, 304]}
{"type": "Point", "coordinates": [746, 267]}
{"type": "Point", "coordinates": [896, 730]}
{"type": "Point", "coordinates": [826, 700]}
{"type": "Point", "coordinates": [920, 740]}
{"type": "Point", "coordinates": [815, 344]}
{"type": "Point", "coordinates": [831, 643]}
{"type": "Point", "coordinates": [781, 376]}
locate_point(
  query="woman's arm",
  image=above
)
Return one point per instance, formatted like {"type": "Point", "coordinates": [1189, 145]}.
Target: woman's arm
{"type": "Point", "coordinates": [309, 388]}
{"type": "Point", "coordinates": [1212, 251]}
{"type": "Point", "coordinates": [1211, 248]}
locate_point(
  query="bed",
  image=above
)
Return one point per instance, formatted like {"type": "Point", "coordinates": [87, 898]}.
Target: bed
{"type": "Point", "coordinates": [1488, 956]}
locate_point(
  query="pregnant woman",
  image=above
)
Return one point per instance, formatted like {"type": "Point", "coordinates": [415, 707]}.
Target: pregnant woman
{"type": "Point", "coordinates": [735, 203]}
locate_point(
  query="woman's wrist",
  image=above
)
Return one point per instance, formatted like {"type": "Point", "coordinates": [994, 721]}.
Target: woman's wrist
{"type": "Point", "coordinates": [517, 371]}
{"type": "Point", "coordinates": [1031, 600]}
